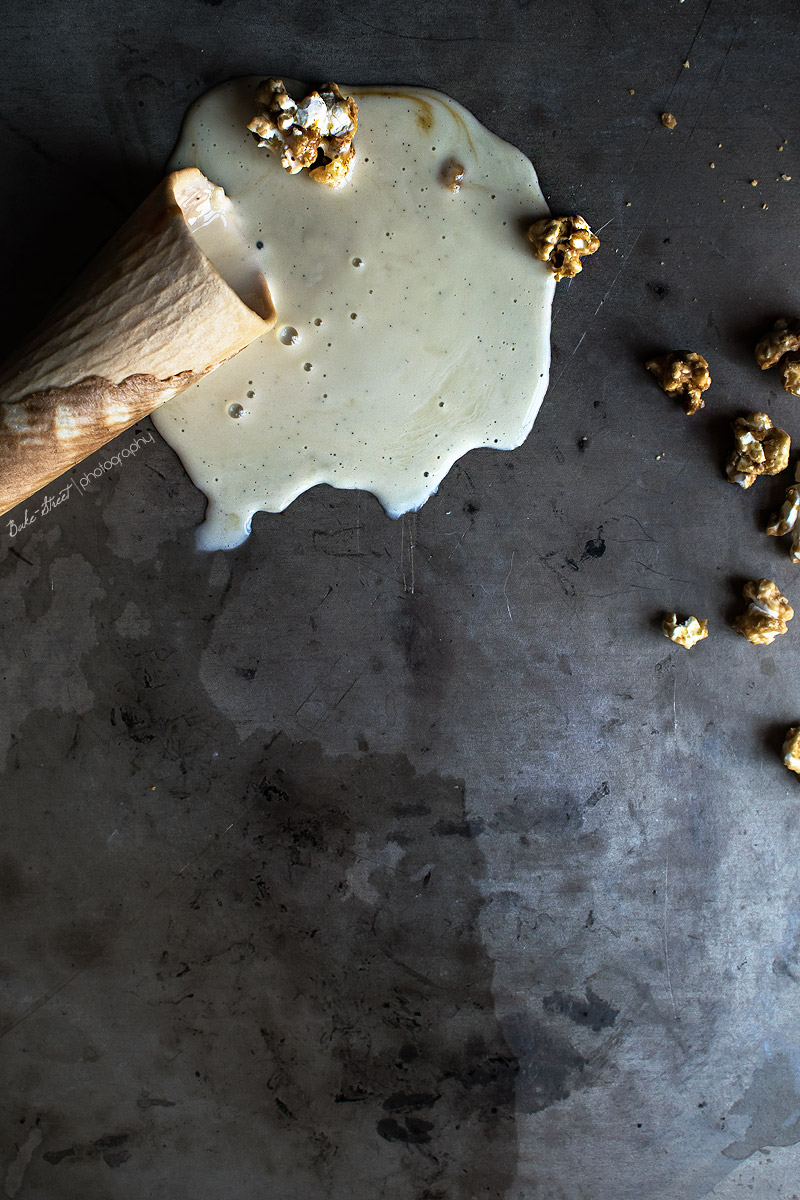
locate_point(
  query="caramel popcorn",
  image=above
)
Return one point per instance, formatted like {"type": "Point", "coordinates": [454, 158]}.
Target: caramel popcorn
{"type": "Point", "coordinates": [561, 242]}
{"type": "Point", "coordinates": [682, 373]}
{"type": "Point", "coordinates": [788, 519]}
{"type": "Point", "coordinates": [766, 615]}
{"type": "Point", "coordinates": [783, 338]}
{"type": "Point", "coordinates": [686, 633]}
{"type": "Point", "coordinates": [761, 449]}
{"type": "Point", "coordinates": [790, 374]}
{"type": "Point", "coordinates": [791, 749]}
{"type": "Point", "coordinates": [316, 134]}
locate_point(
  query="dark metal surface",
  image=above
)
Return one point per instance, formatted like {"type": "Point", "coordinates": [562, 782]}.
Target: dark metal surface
{"type": "Point", "coordinates": [407, 859]}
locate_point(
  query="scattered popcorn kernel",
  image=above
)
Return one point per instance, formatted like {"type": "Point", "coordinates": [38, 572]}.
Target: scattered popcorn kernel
{"type": "Point", "coordinates": [766, 615]}
{"type": "Point", "coordinates": [791, 749]}
{"type": "Point", "coordinates": [761, 449]}
{"type": "Point", "coordinates": [682, 373]}
{"type": "Point", "coordinates": [753, 183]}
{"type": "Point", "coordinates": [316, 134]}
{"type": "Point", "coordinates": [668, 121]}
{"type": "Point", "coordinates": [786, 521]}
{"type": "Point", "coordinates": [686, 633]}
{"type": "Point", "coordinates": [561, 242]}
{"type": "Point", "coordinates": [790, 374]}
{"type": "Point", "coordinates": [783, 338]}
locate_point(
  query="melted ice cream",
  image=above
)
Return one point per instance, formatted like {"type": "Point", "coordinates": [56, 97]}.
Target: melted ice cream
{"type": "Point", "coordinates": [413, 320]}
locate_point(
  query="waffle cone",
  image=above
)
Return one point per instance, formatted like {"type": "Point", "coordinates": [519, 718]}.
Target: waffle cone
{"type": "Point", "coordinates": [148, 318]}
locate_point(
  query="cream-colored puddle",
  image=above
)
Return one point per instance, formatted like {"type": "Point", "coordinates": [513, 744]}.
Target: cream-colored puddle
{"type": "Point", "coordinates": [413, 322]}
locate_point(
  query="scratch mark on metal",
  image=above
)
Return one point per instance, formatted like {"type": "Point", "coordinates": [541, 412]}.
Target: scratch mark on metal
{"type": "Point", "coordinates": [636, 521]}
{"type": "Point", "coordinates": [505, 586]}
{"type": "Point", "coordinates": [411, 542]}
{"type": "Point", "coordinates": [574, 352]}
{"type": "Point", "coordinates": [666, 936]}
{"type": "Point", "coordinates": [661, 574]}
{"type": "Point", "coordinates": [623, 264]}
{"type": "Point", "coordinates": [303, 703]}
{"type": "Point", "coordinates": [619, 492]}
{"type": "Point", "coordinates": [458, 543]}
{"type": "Point", "coordinates": [348, 689]}
{"type": "Point", "coordinates": [199, 854]}
{"type": "Point", "coordinates": [674, 710]}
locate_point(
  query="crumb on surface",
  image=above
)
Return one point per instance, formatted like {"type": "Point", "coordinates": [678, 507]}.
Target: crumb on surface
{"type": "Point", "coordinates": [561, 242]}
{"type": "Point", "coordinates": [682, 373]}
{"type": "Point", "coordinates": [686, 633]}
{"type": "Point", "coordinates": [668, 120]}
{"type": "Point", "coordinates": [766, 615]}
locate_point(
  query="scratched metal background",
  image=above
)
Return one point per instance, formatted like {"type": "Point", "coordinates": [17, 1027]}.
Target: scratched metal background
{"type": "Point", "coordinates": [406, 859]}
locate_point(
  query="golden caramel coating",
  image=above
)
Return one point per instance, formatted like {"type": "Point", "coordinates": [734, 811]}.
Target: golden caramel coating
{"type": "Point", "coordinates": [766, 615]}
{"type": "Point", "coordinates": [783, 338]}
{"type": "Point", "coordinates": [314, 135]}
{"type": "Point", "coordinates": [791, 749]}
{"type": "Point", "coordinates": [668, 121]}
{"type": "Point", "coordinates": [785, 520]}
{"type": "Point", "coordinates": [561, 242]}
{"type": "Point", "coordinates": [788, 520]}
{"type": "Point", "coordinates": [686, 633]}
{"type": "Point", "coordinates": [790, 374]}
{"type": "Point", "coordinates": [761, 449]}
{"type": "Point", "coordinates": [683, 374]}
